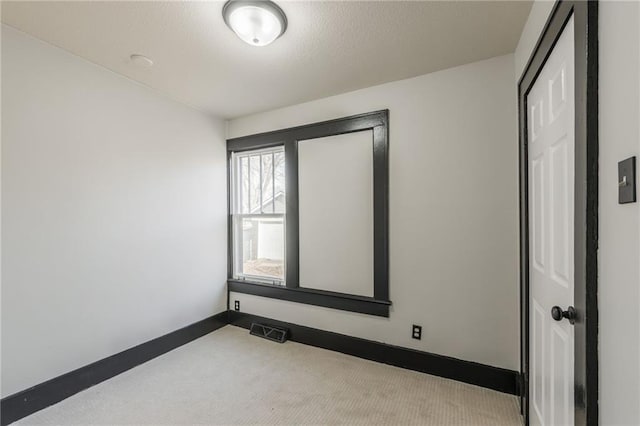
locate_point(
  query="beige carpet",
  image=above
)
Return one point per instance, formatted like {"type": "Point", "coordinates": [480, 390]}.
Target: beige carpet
{"type": "Point", "coordinates": [230, 377]}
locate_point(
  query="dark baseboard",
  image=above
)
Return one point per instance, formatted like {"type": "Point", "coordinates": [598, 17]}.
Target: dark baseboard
{"type": "Point", "coordinates": [21, 404]}
{"type": "Point", "coordinates": [495, 378]}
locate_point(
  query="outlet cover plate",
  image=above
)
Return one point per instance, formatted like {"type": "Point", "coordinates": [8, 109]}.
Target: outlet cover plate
{"type": "Point", "coordinates": [416, 332]}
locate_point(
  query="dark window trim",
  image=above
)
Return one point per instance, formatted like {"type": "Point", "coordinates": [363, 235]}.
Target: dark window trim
{"type": "Point", "coordinates": [339, 126]}
{"type": "Point", "coordinates": [309, 296]}
{"type": "Point", "coordinates": [585, 15]}
{"type": "Point", "coordinates": [292, 228]}
{"type": "Point", "coordinates": [378, 123]}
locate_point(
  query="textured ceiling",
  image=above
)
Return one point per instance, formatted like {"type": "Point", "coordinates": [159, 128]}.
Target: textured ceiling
{"type": "Point", "coordinates": [329, 47]}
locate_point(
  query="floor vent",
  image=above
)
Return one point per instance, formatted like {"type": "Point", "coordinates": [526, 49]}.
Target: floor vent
{"type": "Point", "coordinates": [272, 333]}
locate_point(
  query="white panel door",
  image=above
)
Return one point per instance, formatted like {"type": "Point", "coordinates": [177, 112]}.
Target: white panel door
{"type": "Point", "coordinates": [551, 117]}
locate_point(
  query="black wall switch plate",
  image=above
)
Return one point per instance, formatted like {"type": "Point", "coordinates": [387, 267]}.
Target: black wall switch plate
{"type": "Point", "coordinates": [627, 181]}
{"type": "Point", "coordinates": [416, 332]}
{"type": "Point", "coordinates": [236, 305]}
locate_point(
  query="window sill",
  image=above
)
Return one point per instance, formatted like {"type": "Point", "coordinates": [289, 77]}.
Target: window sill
{"type": "Point", "coordinates": [327, 299]}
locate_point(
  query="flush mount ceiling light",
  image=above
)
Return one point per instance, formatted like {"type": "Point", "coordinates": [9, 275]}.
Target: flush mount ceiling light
{"type": "Point", "coordinates": [256, 22]}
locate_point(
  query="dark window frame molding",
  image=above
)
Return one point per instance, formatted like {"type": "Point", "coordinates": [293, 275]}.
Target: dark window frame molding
{"type": "Point", "coordinates": [585, 15]}
{"type": "Point", "coordinates": [378, 123]}
{"type": "Point", "coordinates": [310, 296]}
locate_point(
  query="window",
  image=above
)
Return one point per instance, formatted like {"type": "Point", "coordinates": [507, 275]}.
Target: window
{"type": "Point", "coordinates": [258, 215]}
{"type": "Point", "coordinates": [309, 214]}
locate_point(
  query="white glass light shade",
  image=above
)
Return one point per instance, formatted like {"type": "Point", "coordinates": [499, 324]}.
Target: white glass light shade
{"type": "Point", "coordinates": [257, 23]}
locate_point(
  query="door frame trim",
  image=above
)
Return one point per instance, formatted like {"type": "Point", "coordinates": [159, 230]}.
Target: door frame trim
{"type": "Point", "coordinates": [585, 15]}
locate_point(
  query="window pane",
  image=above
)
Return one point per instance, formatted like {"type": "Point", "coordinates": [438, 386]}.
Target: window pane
{"type": "Point", "coordinates": [259, 247]}
{"type": "Point", "coordinates": [279, 182]}
{"type": "Point", "coordinates": [244, 185]}
{"type": "Point", "coordinates": [267, 183]}
{"type": "Point", "coordinates": [258, 231]}
{"type": "Point", "coordinates": [254, 184]}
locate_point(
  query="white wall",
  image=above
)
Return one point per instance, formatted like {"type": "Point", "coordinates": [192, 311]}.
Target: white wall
{"type": "Point", "coordinates": [335, 208]}
{"type": "Point", "coordinates": [453, 212]}
{"type": "Point", "coordinates": [619, 225]}
{"type": "Point", "coordinates": [619, 255]}
{"type": "Point", "coordinates": [113, 215]}
{"type": "Point", "coordinates": [538, 16]}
